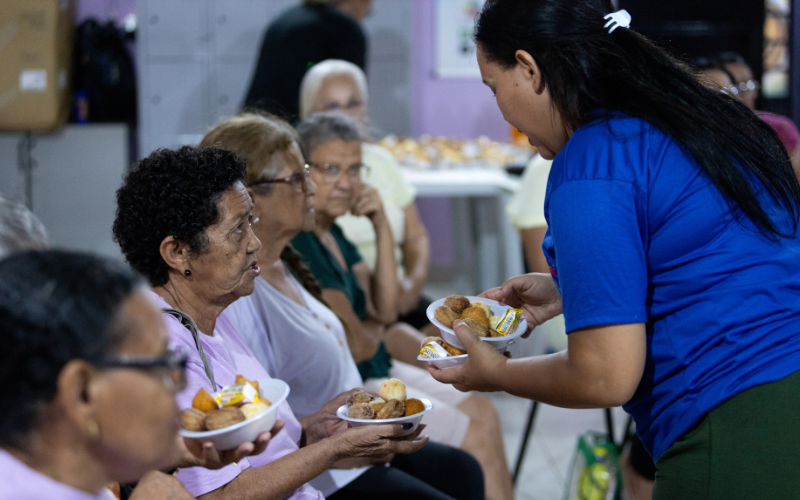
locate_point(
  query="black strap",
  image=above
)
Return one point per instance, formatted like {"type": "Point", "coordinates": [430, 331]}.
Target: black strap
{"type": "Point", "coordinates": [189, 323]}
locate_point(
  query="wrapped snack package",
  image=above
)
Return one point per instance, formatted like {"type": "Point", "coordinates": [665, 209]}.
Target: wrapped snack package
{"type": "Point", "coordinates": [237, 395]}
{"type": "Point", "coordinates": [509, 322]}
{"type": "Point", "coordinates": [433, 350]}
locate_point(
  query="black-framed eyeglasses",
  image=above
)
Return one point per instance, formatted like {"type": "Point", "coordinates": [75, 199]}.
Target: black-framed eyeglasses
{"type": "Point", "coordinates": [331, 172]}
{"type": "Point", "coordinates": [298, 181]}
{"type": "Point", "coordinates": [169, 368]}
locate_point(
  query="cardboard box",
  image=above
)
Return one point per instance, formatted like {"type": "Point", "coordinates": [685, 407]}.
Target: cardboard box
{"type": "Point", "coordinates": [35, 62]}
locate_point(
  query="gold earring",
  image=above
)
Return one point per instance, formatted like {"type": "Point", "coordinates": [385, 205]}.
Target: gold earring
{"type": "Point", "coordinates": [93, 428]}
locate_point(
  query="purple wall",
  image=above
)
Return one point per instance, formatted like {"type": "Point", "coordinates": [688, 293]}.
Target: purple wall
{"type": "Point", "coordinates": [451, 107]}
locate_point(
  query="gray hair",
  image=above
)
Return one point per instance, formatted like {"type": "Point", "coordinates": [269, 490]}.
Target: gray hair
{"type": "Point", "coordinates": [19, 229]}
{"type": "Point", "coordinates": [322, 128]}
{"type": "Point", "coordinates": [316, 75]}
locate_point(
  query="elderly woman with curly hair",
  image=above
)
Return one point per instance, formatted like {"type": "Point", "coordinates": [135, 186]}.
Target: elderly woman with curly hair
{"type": "Point", "coordinates": [306, 331]}
{"type": "Point", "coordinates": [294, 334]}
{"type": "Point", "coordinates": [183, 220]}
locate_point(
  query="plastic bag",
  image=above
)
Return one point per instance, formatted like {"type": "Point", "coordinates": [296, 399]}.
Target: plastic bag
{"type": "Point", "coordinates": [594, 473]}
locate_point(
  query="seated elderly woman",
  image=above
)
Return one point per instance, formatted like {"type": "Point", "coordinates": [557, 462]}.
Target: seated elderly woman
{"type": "Point", "coordinates": [293, 333]}
{"type": "Point", "coordinates": [336, 85]}
{"type": "Point", "coordinates": [183, 220]}
{"type": "Point", "coordinates": [350, 289]}
{"type": "Point", "coordinates": [21, 230]}
{"type": "Point", "coordinates": [90, 384]}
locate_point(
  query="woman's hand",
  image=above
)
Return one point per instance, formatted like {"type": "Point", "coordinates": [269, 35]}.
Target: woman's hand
{"type": "Point", "coordinates": [378, 441]}
{"type": "Point", "coordinates": [369, 204]}
{"type": "Point", "coordinates": [534, 293]}
{"type": "Point", "coordinates": [325, 423]}
{"type": "Point", "coordinates": [483, 369]}
{"type": "Point", "coordinates": [196, 453]}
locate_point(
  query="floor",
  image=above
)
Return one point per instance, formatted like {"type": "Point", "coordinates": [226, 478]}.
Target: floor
{"type": "Point", "coordinates": [555, 434]}
{"type": "Point", "coordinates": [550, 447]}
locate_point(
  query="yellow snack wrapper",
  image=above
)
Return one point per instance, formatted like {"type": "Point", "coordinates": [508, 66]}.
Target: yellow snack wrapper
{"type": "Point", "coordinates": [434, 351]}
{"type": "Point", "coordinates": [509, 322]}
{"type": "Point", "coordinates": [234, 395]}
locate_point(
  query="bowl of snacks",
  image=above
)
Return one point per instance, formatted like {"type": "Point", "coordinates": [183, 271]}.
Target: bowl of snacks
{"type": "Point", "coordinates": [392, 407]}
{"type": "Point", "coordinates": [495, 323]}
{"type": "Point", "coordinates": [235, 414]}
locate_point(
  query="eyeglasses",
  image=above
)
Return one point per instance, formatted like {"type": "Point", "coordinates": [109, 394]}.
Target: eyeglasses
{"type": "Point", "coordinates": [298, 181]}
{"type": "Point", "coordinates": [749, 86]}
{"type": "Point", "coordinates": [740, 88]}
{"type": "Point", "coordinates": [351, 105]}
{"type": "Point", "coordinates": [331, 172]}
{"type": "Point", "coordinates": [169, 368]}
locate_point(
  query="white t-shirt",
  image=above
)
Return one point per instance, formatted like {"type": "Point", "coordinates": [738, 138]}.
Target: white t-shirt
{"type": "Point", "coordinates": [305, 347]}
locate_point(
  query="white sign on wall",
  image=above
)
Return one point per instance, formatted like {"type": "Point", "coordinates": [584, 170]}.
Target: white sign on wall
{"type": "Point", "coordinates": [455, 50]}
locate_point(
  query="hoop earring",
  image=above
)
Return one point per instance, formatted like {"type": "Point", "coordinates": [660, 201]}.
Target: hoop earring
{"type": "Point", "coordinates": [187, 272]}
{"type": "Point", "coordinates": [93, 428]}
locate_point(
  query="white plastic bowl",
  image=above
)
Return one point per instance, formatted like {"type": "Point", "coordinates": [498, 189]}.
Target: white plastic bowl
{"type": "Point", "coordinates": [445, 363]}
{"type": "Point", "coordinates": [499, 343]}
{"type": "Point", "coordinates": [413, 419]}
{"type": "Point", "coordinates": [247, 431]}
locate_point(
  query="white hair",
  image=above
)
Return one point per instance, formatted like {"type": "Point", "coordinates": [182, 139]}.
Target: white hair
{"type": "Point", "coordinates": [19, 229]}
{"type": "Point", "coordinates": [316, 74]}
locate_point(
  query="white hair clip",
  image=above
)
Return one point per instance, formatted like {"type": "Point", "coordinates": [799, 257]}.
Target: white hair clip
{"type": "Point", "coordinates": [617, 19]}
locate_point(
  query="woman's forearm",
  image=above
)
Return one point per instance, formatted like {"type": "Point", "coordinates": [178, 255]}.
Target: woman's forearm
{"type": "Point", "coordinates": [592, 373]}
{"type": "Point", "coordinates": [280, 478]}
{"type": "Point", "coordinates": [384, 277]}
{"type": "Point", "coordinates": [416, 249]}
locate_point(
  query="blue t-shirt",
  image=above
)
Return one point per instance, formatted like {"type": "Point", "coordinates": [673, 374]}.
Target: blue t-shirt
{"type": "Point", "coordinates": [639, 234]}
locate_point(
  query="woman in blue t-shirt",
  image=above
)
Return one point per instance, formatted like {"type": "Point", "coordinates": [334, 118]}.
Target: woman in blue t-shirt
{"type": "Point", "coordinates": [672, 243]}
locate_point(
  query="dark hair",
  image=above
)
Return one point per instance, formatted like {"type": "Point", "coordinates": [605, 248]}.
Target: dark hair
{"type": "Point", "coordinates": [321, 128]}
{"type": "Point", "coordinates": [171, 193]}
{"type": "Point", "coordinates": [592, 74]}
{"type": "Point", "coordinates": [55, 306]}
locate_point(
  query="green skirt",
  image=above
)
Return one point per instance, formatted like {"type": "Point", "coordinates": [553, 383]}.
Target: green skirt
{"type": "Point", "coordinates": [748, 447]}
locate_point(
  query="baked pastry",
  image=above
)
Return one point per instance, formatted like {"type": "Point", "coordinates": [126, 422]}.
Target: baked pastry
{"type": "Point", "coordinates": [446, 316]}
{"type": "Point", "coordinates": [250, 410]}
{"type": "Point", "coordinates": [413, 406]}
{"type": "Point", "coordinates": [192, 419]}
{"type": "Point", "coordinates": [392, 409]}
{"type": "Point", "coordinates": [359, 397]}
{"type": "Point", "coordinates": [494, 333]}
{"type": "Point", "coordinates": [223, 417]}
{"type": "Point", "coordinates": [392, 389]}
{"type": "Point", "coordinates": [457, 303]}
{"type": "Point", "coordinates": [476, 326]}
{"type": "Point", "coordinates": [377, 404]}
{"type": "Point", "coordinates": [484, 306]}
{"type": "Point", "coordinates": [477, 313]}
{"type": "Point", "coordinates": [361, 411]}
{"type": "Point", "coordinates": [241, 380]}
{"type": "Point", "coordinates": [454, 351]}
{"type": "Point", "coordinates": [204, 402]}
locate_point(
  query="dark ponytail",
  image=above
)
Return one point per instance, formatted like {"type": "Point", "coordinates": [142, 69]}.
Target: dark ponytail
{"type": "Point", "coordinates": [587, 70]}
{"type": "Point", "coordinates": [294, 261]}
